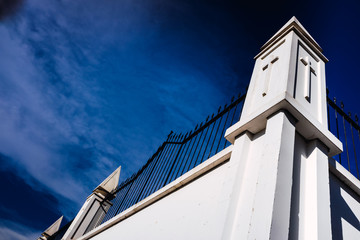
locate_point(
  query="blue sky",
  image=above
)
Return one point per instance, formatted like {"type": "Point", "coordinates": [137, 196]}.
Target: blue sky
{"type": "Point", "coordinates": [86, 86]}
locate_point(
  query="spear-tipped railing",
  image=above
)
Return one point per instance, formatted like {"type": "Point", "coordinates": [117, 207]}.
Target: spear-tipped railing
{"type": "Point", "coordinates": [347, 130]}
{"type": "Point", "coordinates": [176, 156]}
{"type": "Point", "coordinates": [182, 152]}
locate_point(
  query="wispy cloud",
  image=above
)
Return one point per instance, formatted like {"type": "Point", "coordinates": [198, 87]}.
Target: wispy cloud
{"type": "Point", "coordinates": [13, 231]}
{"type": "Point", "coordinates": [86, 87]}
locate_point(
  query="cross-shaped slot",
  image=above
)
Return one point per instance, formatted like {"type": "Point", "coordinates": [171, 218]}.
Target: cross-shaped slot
{"type": "Point", "coordinates": [307, 81]}
{"type": "Point", "coordinates": [268, 68]}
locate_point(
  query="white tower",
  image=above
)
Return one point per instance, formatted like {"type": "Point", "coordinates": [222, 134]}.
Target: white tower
{"type": "Point", "coordinates": [286, 106]}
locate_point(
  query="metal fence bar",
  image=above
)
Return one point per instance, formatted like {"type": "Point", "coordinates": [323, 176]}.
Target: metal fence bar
{"type": "Point", "coordinates": [223, 130]}
{"type": "Point", "coordinates": [176, 156]}
{"type": "Point", "coordinates": [354, 148]}
{"type": "Point", "coordinates": [202, 143]}
{"type": "Point", "coordinates": [135, 188]}
{"type": "Point", "coordinates": [145, 179]}
{"type": "Point", "coordinates": [217, 130]}
{"type": "Point", "coordinates": [193, 153]}
{"type": "Point", "coordinates": [188, 153]}
{"type": "Point", "coordinates": [196, 149]}
{"type": "Point", "coordinates": [128, 190]}
{"type": "Point", "coordinates": [174, 161]}
{"type": "Point", "coordinates": [183, 155]}
{"type": "Point", "coordinates": [180, 153]}
{"type": "Point", "coordinates": [152, 183]}
{"type": "Point", "coordinates": [345, 135]}
{"type": "Point", "coordinates": [207, 143]}
{"type": "Point", "coordinates": [178, 160]}
{"type": "Point", "coordinates": [168, 165]}
{"type": "Point", "coordinates": [357, 122]}
{"type": "Point", "coordinates": [346, 143]}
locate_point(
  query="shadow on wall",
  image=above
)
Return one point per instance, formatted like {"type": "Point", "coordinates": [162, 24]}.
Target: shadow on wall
{"type": "Point", "coordinates": [344, 202]}
{"type": "Point", "coordinates": [344, 217]}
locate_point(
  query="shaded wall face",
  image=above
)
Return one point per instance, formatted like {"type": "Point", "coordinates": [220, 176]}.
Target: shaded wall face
{"type": "Point", "coordinates": [345, 210]}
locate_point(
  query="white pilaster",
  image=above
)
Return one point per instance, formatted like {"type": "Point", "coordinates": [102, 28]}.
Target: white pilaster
{"type": "Point", "coordinates": [314, 212]}
{"type": "Point", "coordinates": [271, 208]}
{"type": "Point", "coordinates": [241, 183]}
{"type": "Point", "coordinates": [94, 207]}
{"type": "Point", "coordinates": [286, 94]}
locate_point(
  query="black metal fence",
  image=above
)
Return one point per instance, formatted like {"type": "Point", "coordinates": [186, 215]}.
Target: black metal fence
{"type": "Point", "coordinates": [347, 130]}
{"type": "Point", "coordinates": [182, 152]}
{"type": "Point", "coordinates": [176, 156]}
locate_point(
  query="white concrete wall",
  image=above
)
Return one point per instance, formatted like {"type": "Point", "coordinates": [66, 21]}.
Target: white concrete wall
{"type": "Point", "coordinates": [197, 209]}
{"type": "Point", "coordinates": [201, 209]}
{"type": "Point", "coordinates": [192, 205]}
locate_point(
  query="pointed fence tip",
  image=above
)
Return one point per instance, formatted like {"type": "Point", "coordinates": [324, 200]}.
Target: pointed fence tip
{"type": "Point", "coordinates": [172, 137]}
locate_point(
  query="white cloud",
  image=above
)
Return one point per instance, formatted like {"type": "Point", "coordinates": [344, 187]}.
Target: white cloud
{"type": "Point", "coordinates": [82, 93]}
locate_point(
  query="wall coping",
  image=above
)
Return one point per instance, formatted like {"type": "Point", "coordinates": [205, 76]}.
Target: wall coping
{"type": "Point", "coordinates": [208, 165]}
{"type": "Point", "coordinates": [344, 175]}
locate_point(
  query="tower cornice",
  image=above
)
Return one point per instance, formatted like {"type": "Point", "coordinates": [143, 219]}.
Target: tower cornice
{"type": "Point", "coordinates": [293, 25]}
